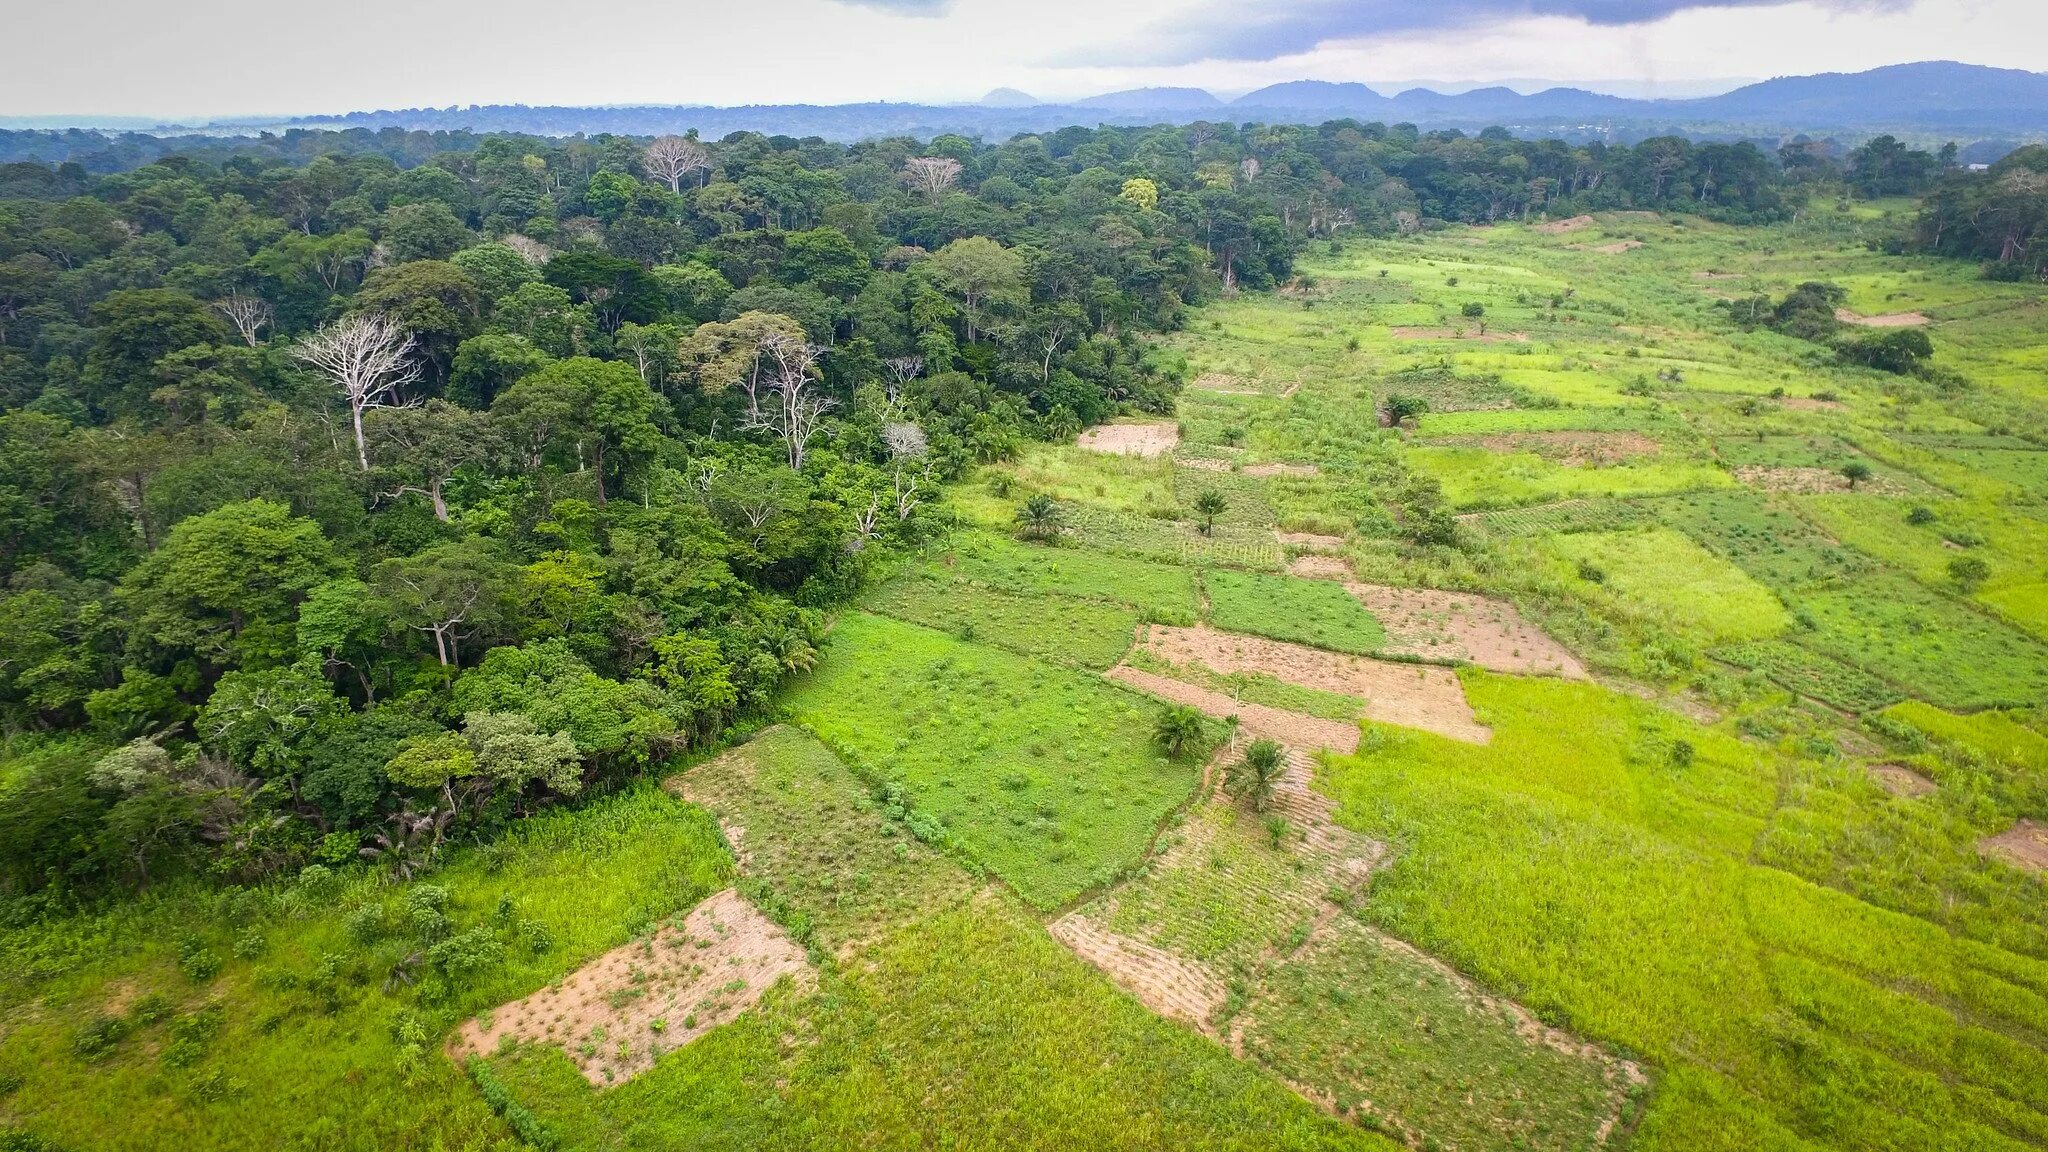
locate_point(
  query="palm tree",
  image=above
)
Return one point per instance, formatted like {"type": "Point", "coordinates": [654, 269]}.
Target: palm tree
{"type": "Point", "coordinates": [1039, 518]}
{"type": "Point", "coordinates": [1178, 730]}
{"type": "Point", "coordinates": [1258, 772]}
{"type": "Point", "coordinates": [1855, 472]}
{"type": "Point", "coordinates": [1210, 504]}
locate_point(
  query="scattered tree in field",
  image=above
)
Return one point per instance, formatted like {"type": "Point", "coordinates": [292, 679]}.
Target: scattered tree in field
{"type": "Point", "coordinates": [1178, 731]}
{"type": "Point", "coordinates": [931, 175]}
{"type": "Point", "coordinates": [1254, 776]}
{"type": "Point", "coordinates": [672, 158]}
{"type": "Point", "coordinates": [369, 358]}
{"type": "Point", "coordinates": [1855, 472]}
{"type": "Point", "coordinates": [1209, 505]}
{"type": "Point", "coordinates": [1404, 406]}
{"type": "Point", "coordinates": [249, 315]}
{"type": "Point", "coordinates": [1040, 518]}
{"type": "Point", "coordinates": [1969, 572]}
{"type": "Point", "coordinates": [1920, 516]}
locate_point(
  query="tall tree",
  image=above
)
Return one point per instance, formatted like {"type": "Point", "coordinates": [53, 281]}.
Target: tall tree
{"type": "Point", "coordinates": [369, 358]}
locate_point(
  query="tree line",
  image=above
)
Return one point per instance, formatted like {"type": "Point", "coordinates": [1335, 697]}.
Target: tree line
{"type": "Point", "coordinates": [355, 499]}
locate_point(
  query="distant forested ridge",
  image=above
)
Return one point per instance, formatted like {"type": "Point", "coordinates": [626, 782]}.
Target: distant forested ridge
{"type": "Point", "coordinates": [363, 490]}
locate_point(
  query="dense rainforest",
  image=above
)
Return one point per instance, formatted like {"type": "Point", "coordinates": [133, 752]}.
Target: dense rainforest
{"type": "Point", "coordinates": [359, 492]}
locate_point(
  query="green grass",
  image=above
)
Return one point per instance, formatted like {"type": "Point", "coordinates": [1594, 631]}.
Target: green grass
{"type": "Point", "coordinates": [1660, 572]}
{"type": "Point", "coordinates": [1254, 688]}
{"type": "Point", "coordinates": [1044, 775]}
{"type": "Point", "coordinates": [1577, 864]}
{"type": "Point", "coordinates": [1314, 612]}
{"type": "Point", "coordinates": [1559, 519]}
{"type": "Point", "coordinates": [1938, 649]}
{"type": "Point", "coordinates": [1084, 633]}
{"type": "Point", "coordinates": [311, 1047]}
{"type": "Point", "coordinates": [970, 1028]}
{"type": "Point", "coordinates": [1478, 478]}
{"type": "Point", "coordinates": [1811, 674]}
{"type": "Point", "coordinates": [1765, 539]}
{"type": "Point", "coordinates": [1163, 591]}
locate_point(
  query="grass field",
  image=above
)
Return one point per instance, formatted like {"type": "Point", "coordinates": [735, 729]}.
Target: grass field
{"type": "Point", "coordinates": [1314, 612]}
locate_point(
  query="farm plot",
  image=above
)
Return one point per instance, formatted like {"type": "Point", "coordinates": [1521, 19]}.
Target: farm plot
{"type": "Point", "coordinates": [1413, 695]}
{"type": "Point", "coordinates": [1458, 626]}
{"type": "Point", "coordinates": [1561, 518]}
{"type": "Point", "coordinates": [815, 847]}
{"type": "Point", "coordinates": [1172, 541]}
{"type": "Point", "coordinates": [1935, 648]}
{"type": "Point", "coordinates": [1085, 633]}
{"type": "Point", "coordinates": [616, 1015]}
{"type": "Point", "coordinates": [1161, 590]}
{"type": "Point", "coordinates": [1765, 539]}
{"type": "Point", "coordinates": [1042, 774]}
{"type": "Point", "coordinates": [1661, 573]}
{"type": "Point", "coordinates": [1811, 674]}
{"type": "Point", "coordinates": [1480, 478]}
{"type": "Point", "coordinates": [1131, 439]}
{"type": "Point", "coordinates": [1314, 612]}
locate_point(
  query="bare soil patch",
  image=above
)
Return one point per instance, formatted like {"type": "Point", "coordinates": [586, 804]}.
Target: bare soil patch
{"type": "Point", "coordinates": [1175, 988]}
{"type": "Point", "coordinates": [1573, 449]}
{"type": "Point", "coordinates": [1560, 227]}
{"type": "Point", "coordinates": [1316, 566]}
{"type": "Point", "coordinates": [2024, 845]}
{"type": "Point", "coordinates": [1131, 439]}
{"type": "Point", "coordinates": [1412, 695]}
{"type": "Point", "coordinates": [1255, 719]}
{"type": "Point", "coordinates": [615, 1015]}
{"type": "Point", "coordinates": [1411, 332]}
{"type": "Point", "coordinates": [1811, 404]}
{"type": "Point", "coordinates": [1282, 470]}
{"type": "Point", "coordinates": [1900, 780]}
{"type": "Point", "coordinates": [1435, 625]}
{"type": "Point", "coordinates": [1203, 463]}
{"type": "Point", "coordinates": [1888, 320]}
{"type": "Point", "coordinates": [1812, 480]}
{"type": "Point", "coordinates": [1618, 247]}
{"type": "Point", "coordinates": [1308, 540]}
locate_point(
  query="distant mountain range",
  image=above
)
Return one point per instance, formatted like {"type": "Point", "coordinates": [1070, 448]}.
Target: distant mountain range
{"type": "Point", "coordinates": [1936, 99]}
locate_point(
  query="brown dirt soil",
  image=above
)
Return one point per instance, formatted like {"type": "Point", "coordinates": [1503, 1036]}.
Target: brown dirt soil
{"type": "Point", "coordinates": [2024, 845]}
{"type": "Point", "coordinates": [1316, 566]}
{"type": "Point", "coordinates": [1412, 695]}
{"type": "Point", "coordinates": [1812, 480]}
{"type": "Point", "coordinates": [691, 979]}
{"type": "Point", "coordinates": [1900, 780]}
{"type": "Point", "coordinates": [1809, 404]}
{"type": "Point", "coordinates": [1618, 247]}
{"type": "Point", "coordinates": [1308, 540]}
{"type": "Point", "coordinates": [1175, 988]}
{"type": "Point", "coordinates": [1410, 332]}
{"type": "Point", "coordinates": [1573, 449]}
{"type": "Point", "coordinates": [1282, 470]}
{"type": "Point", "coordinates": [1560, 227]}
{"type": "Point", "coordinates": [1254, 719]}
{"type": "Point", "coordinates": [1438, 625]}
{"type": "Point", "coordinates": [1131, 439]}
{"type": "Point", "coordinates": [1202, 463]}
{"type": "Point", "coordinates": [1889, 320]}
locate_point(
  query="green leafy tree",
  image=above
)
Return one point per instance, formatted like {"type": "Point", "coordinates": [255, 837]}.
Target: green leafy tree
{"type": "Point", "coordinates": [982, 274]}
{"type": "Point", "coordinates": [452, 592]}
{"type": "Point", "coordinates": [258, 720]}
{"type": "Point", "coordinates": [1040, 518]}
{"type": "Point", "coordinates": [584, 405]}
{"type": "Point", "coordinates": [135, 328]}
{"type": "Point", "coordinates": [226, 584]}
{"type": "Point", "coordinates": [1178, 731]}
{"type": "Point", "coordinates": [497, 269]}
{"type": "Point", "coordinates": [1855, 472]}
{"type": "Point", "coordinates": [1969, 572]}
{"type": "Point", "coordinates": [1255, 774]}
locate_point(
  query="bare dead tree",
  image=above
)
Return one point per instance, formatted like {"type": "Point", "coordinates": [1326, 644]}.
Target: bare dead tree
{"type": "Point", "coordinates": [530, 250]}
{"type": "Point", "coordinates": [864, 524]}
{"type": "Point", "coordinates": [368, 356]}
{"type": "Point", "coordinates": [910, 453]}
{"type": "Point", "coordinates": [673, 158]}
{"type": "Point", "coordinates": [249, 314]}
{"type": "Point", "coordinates": [902, 370]}
{"type": "Point", "coordinates": [795, 408]}
{"type": "Point", "coordinates": [931, 175]}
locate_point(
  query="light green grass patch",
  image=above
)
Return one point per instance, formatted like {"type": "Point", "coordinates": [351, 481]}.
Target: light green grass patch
{"type": "Point", "coordinates": [1160, 590]}
{"type": "Point", "coordinates": [1084, 633]}
{"type": "Point", "coordinates": [1662, 573]}
{"type": "Point", "coordinates": [1478, 478]}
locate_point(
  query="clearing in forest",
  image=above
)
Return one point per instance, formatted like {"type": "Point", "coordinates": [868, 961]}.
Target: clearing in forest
{"type": "Point", "coordinates": [616, 1015]}
{"type": "Point", "coordinates": [1435, 625]}
{"type": "Point", "coordinates": [1411, 695]}
{"type": "Point", "coordinates": [1131, 439]}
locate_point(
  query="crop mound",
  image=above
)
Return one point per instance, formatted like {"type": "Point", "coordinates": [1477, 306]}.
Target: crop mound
{"type": "Point", "coordinates": [1131, 439]}
{"type": "Point", "coordinates": [1436, 625]}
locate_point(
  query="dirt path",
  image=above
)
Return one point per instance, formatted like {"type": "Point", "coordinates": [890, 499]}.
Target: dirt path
{"type": "Point", "coordinates": [1437, 625]}
{"type": "Point", "coordinates": [1412, 695]}
{"type": "Point", "coordinates": [616, 1014]}
{"type": "Point", "coordinates": [1889, 320]}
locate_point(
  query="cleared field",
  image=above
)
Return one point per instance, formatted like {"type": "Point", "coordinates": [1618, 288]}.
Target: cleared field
{"type": "Point", "coordinates": [1042, 774]}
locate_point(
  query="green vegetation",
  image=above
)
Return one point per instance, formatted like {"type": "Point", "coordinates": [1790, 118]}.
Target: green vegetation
{"type": "Point", "coordinates": [1663, 574]}
{"type": "Point", "coordinates": [1314, 612]}
{"type": "Point", "coordinates": [1043, 775]}
{"type": "Point", "coordinates": [1086, 633]}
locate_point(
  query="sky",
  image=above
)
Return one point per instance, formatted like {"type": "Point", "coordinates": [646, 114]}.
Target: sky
{"type": "Point", "coordinates": [205, 58]}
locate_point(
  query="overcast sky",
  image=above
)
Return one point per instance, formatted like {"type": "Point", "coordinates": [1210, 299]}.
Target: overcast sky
{"type": "Point", "coordinates": [220, 57]}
